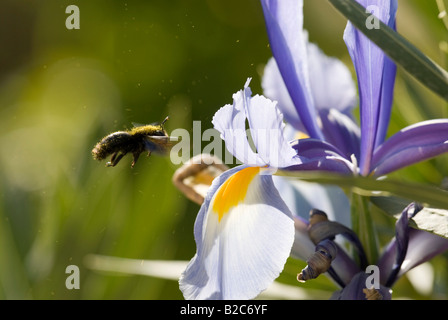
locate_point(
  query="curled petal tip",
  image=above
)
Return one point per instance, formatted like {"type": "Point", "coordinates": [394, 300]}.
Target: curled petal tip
{"type": "Point", "coordinates": [319, 262]}
{"type": "Point", "coordinates": [317, 216]}
{"type": "Point", "coordinates": [196, 176]}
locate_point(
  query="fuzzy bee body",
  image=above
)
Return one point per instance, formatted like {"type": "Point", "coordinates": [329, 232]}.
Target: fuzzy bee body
{"type": "Point", "coordinates": [150, 138]}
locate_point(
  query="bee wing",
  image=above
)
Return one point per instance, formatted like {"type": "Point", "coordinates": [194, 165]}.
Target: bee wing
{"type": "Point", "coordinates": [158, 143]}
{"type": "Point", "coordinates": [136, 124]}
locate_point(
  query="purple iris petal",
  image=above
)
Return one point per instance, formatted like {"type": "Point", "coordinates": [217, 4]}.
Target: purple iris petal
{"type": "Point", "coordinates": [312, 148]}
{"type": "Point", "coordinates": [393, 259]}
{"type": "Point", "coordinates": [344, 266]}
{"type": "Point", "coordinates": [330, 164]}
{"type": "Point", "coordinates": [322, 156]}
{"type": "Point", "coordinates": [387, 89]}
{"type": "Point", "coordinates": [373, 78]}
{"type": "Point", "coordinates": [340, 130]}
{"type": "Point", "coordinates": [284, 21]}
{"type": "Point", "coordinates": [354, 290]}
{"type": "Point", "coordinates": [331, 85]}
{"type": "Point", "coordinates": [331, 82]}
{"type": "Point", "coordinates": [415, 143]}
{"type": "Point", "coordinates": [422, 247]}
{"type": "Point", "coordinates": [390, 70]}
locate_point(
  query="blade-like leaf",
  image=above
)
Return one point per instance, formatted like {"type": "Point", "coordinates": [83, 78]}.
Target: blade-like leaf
{"type": "Point", "coordinates": [397, 48]}
{"type": "Point", "coordinates": [367, 186]}
{"type": "Point", "coordinates": [391, 205]}
{"type": "Point", "coordinates": [428, 219]}
{"type": "Point", "coordinates": [432, 220]}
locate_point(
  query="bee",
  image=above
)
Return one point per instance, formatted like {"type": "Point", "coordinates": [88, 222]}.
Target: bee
{"type": "Point", "coordinates": [141, 138]}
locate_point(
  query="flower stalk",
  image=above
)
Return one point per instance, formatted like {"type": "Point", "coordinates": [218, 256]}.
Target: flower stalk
{"type": "Point", "coordinates": [362, 225]}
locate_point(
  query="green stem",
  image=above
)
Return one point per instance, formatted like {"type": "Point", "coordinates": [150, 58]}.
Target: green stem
{"type": "Point", "coordinates": [443, 14]}
{"type": "Point", "coordinates": [363, 226]}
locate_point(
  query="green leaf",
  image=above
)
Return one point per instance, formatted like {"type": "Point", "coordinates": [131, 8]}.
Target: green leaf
{"type": "Point", "coordinates": [431, 220]}
{"type": "Point", "coordinates": [368, 186]}
{"type": "Point", "coordinates": [397, 48]}
{"type": "Point", "coordinates": [391, 205]}
{"type": "Point", "coordinates": [428, 219]}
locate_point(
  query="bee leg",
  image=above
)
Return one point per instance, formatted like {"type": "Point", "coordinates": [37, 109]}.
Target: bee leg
{"type": "Point", "coordinates": [149, 153]}
{"type": "Point", "coordinates": [116, 157]}
{"type": "Point", "coordinates": [136, 155]}
{"type": "Point", "coordinates": [109, 163]}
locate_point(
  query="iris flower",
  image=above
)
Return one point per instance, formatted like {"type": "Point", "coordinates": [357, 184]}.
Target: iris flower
{"type": "Point", "coordinates": [338, 135]}
{"type": "Point", "coordinates": [245, 231]}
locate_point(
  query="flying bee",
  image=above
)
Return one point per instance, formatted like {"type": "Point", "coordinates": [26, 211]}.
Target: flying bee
{"type": "Point", "coordinates": [141, 138]}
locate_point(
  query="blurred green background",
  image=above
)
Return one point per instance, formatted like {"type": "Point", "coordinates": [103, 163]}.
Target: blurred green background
{"type": "Point", "coordinates": [138, 61]}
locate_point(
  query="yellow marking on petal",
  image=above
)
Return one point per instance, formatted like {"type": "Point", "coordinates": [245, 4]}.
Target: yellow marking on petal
{"type": "Point", "coordinates": [301, 135]}
{"type": "Point", "coordinates": [233, 191]}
